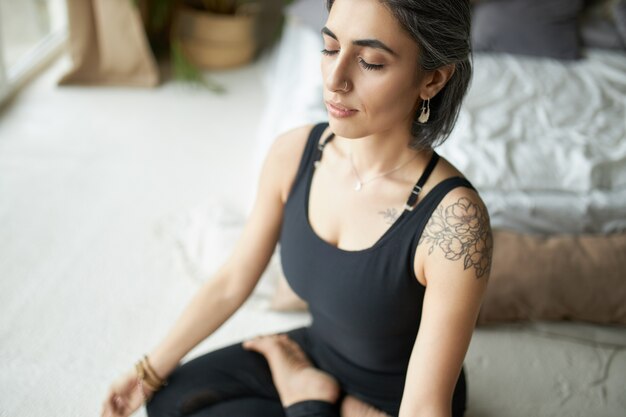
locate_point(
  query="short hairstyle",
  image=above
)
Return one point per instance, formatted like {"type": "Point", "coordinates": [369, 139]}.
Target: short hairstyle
{"type": "Point", "coordinates": [442, 29]}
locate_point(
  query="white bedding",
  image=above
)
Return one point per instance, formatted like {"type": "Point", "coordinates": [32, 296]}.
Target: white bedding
{"type": "Point", "coordinates": [543, 141]}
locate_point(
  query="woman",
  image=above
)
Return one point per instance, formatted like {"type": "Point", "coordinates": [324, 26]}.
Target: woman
{"type": "Point", "coordinates": [374, 265]}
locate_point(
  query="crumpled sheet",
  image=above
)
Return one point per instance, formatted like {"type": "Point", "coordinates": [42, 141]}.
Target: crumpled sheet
{"type": "Point", "coordinates": [544, 141]}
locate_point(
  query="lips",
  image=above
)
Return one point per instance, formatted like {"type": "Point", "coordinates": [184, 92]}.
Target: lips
{"type": "Point", "coordinates": [339, 106]}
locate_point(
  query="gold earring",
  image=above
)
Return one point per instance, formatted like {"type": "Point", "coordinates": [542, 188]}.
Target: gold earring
{"type": "Point", "coordinates": [425, 114]}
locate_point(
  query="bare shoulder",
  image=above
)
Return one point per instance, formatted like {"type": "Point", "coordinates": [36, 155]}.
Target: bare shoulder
{"type": "Point", "coordinates": [284, 156]}
{"type": "Point", "coordinates": [459, 233]}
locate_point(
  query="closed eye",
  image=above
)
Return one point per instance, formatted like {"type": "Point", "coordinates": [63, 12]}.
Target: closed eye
{"type": "Point", "coordinates": [364, 64]}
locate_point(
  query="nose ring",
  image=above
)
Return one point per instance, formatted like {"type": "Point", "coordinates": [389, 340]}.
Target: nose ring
{"type": "Point", "coordinates": [346, 86]}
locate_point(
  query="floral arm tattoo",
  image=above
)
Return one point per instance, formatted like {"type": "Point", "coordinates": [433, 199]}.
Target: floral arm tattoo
{"type": "Point", "coordinates": [461, 230]}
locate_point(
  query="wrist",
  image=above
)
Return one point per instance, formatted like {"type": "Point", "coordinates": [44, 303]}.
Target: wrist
{"type": "Point", "coordinates": [146, 392]}
{"type": "Point", "coordinates": [147, 377]}
{"type": "Point", "coordinates": [162, 362]}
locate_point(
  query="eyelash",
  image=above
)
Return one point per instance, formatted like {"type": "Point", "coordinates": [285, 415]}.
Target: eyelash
{"type": "Point", "coordinates": [363, 63]}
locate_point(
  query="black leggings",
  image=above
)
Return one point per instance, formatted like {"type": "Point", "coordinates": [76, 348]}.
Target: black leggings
{"type": "Point", "coordinates": [235, 382]}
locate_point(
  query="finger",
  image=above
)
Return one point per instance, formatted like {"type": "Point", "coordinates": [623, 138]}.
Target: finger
{"type": "Point", "coordinates": [114, 408]}
{"type": "Point", "coordinates": [120, 402]}
{"type": "Point", "coordinates": [114, 401]}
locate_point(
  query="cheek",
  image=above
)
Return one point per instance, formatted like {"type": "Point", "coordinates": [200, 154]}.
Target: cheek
{"type": "Point", "coordinates": [384, 95]}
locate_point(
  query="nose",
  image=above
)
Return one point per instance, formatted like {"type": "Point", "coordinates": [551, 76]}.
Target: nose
{"type": "Point", "coordinates": [337, 76]}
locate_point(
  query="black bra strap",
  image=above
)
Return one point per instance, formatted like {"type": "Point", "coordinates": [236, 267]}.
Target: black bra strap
{"type": "Point", "coordinates": [410, 204]}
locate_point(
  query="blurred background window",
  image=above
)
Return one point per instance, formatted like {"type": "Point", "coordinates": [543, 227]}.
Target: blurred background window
{"type": "Point", "coordinates": [31, 32]}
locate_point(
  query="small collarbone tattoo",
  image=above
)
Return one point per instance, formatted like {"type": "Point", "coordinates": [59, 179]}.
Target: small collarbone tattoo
{"type": "Point", "coordinates": [390, 215]}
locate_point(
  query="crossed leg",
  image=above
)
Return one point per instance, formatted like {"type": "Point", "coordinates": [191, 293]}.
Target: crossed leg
{"type": "Point", "coordinates": [238, 381]}
{"type": "Point", "coordinates": [299, 382]}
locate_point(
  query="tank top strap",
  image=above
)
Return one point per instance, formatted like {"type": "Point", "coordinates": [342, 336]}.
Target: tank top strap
{"type": "Point", "coordinates": [410, 203]}
{"type": "Point", "coordinates": [308, 155]}
{"type": "Point", "coordinates": [319, 146]}
{"type": "Point", "coordinates": [310, 150]}
{"type": "Point", "coordinates": [439, 191]}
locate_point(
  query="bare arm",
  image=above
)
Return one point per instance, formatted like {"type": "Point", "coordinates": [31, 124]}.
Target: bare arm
{"type": "Point", "coordinates": [457, 246]}
{"type": "Point", "coordinates": [222, 295]}
{"type": "Point", "coordinates": [209, 308]}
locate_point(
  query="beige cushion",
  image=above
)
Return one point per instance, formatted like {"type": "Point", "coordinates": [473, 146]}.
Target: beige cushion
{"type": "Point", "coordinates": [557, 277]}
{"type": "Point", "coordinates": [108, 45]}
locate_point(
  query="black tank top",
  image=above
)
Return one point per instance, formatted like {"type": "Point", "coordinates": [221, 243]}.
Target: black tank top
{"type": "Point", "coordinates": [365, 304]}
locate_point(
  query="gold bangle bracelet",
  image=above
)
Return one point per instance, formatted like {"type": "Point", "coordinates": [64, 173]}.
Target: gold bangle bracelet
{"type": "Point", "coordinates": [140, 370]}
{"type": "Point", "coordinates": [149, 369]}
{"type": "Point", "coordinates": [151, 382]}
{"type": "Point", "coordinates": [152, 373]}
{"type": "Point", "coordinates": [149, 385]}
{"type": "Point", "coordinates": [143, 377]}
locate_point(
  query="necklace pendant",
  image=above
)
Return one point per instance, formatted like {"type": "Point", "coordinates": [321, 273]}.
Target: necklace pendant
{"type": "Point", "coordinates": [357, 186]}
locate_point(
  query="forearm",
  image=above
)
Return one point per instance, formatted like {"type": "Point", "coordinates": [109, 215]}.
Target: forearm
{"type": "Point", "coordinates": [209, 308]}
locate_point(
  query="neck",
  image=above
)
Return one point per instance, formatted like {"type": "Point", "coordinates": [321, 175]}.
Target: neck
{"type": "Point", "coordinates": [379, 153]}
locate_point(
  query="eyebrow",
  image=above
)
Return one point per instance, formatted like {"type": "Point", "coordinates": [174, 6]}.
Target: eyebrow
{"type": "Point", "coordinates": [372, 43]}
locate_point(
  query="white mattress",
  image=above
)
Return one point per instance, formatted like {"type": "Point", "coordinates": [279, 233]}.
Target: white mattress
{"type": "Point", "coordinates": [543, 141]}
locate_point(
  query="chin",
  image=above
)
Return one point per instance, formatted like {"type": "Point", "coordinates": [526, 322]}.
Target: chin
{"type": "Point", "coordinates": [347, 129]}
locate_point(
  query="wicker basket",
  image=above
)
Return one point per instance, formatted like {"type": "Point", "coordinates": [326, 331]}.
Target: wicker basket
{"type": "Point", "coordinates": [217, 41]}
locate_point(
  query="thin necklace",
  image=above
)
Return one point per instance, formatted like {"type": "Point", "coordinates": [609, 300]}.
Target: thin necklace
{"type": "Point", "coordinates": [359, 184]}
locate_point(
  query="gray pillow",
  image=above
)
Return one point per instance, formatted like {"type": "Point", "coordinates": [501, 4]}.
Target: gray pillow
{"type": "Point", "coordinates": [619, 15]}
{"type": "Point", "coordinates": [542, 28]}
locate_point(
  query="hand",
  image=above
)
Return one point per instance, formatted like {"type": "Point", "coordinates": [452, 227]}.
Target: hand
{"type": "Point", "coordinates": [125, 396]}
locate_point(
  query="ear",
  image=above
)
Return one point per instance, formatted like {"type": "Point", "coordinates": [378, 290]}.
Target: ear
{"type": "Point", "coordinates": [433, 81]}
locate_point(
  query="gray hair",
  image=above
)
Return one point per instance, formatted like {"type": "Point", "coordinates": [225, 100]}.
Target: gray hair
{"type": "Point", "coordinates": [442, 29]}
